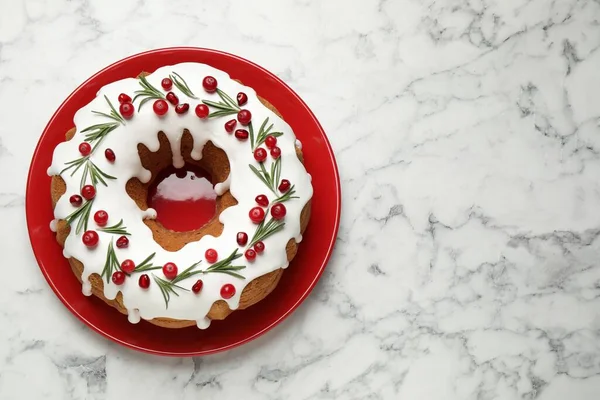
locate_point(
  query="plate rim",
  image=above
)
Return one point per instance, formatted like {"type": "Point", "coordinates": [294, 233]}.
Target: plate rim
{"type": "Point", "coordinates": [29, 202]}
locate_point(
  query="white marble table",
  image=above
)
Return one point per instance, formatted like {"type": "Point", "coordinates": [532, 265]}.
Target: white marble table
{"type": "Point", "coordinates": [468, 259]}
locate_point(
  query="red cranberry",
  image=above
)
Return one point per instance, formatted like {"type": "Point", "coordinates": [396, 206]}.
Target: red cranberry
{"type": "Point", "coordinates": [170, 270]}
{"type": "Point", "coordinates": [242, 98]}
{"type": "Point", "coordinates": [123, 98]}
{"type": "Point", "coordinates": [241, 238]}
{"type": "Point", "coordinates": [166, 84]}
{"type": "Point", "coordinates": [75, 200]}
{"type": "Point", "coordinates": [85, 149]}
{"type": "Point", "coordinates": [118, 278]}
{"type": "Point", "coordinates": [210, 84]}
{"type": "Point", "coordinates": [257, 214]}
{"type": "Point", "coordinates": [88, 192]}
{"type": "Point", "coordinates": [160, 107]}
{"type": "Point", "coordinates": [182, 108]}
{"type": "Point", "coordinates": [144, 281]}
{"type": "Point", "coordinates": [262, 200]}
{"type": "Point", "coordinates": [259, 247]}
{"type": "Point", "coordinates": [172, 98]}
{"type": "Point", "coordinates": [202, 111]}
{"type": "Point", "coordinates": [128, 266]}
{"type": "Point", "coordinates": [227, 291]}
{"type": "Point", "coordinates": [126, 110]}
{"type": "Point", "coordinates": [276, 152]}
{"type": "Point", "coordinates": [90, 238]}
{"type": "Point", "coordinates": [250, 254]}
{"type": "Point", "coordinates": [197, 286]}
{"type": "Point", "coordinates": [260, 154]}
{"type": "Point", "coordinates": [101, 217]}
{"type": "Point", "coordinates": [278, 211]}
{"type": "Point", "coordinates": [110, 155]}
{"type": "Point", "coordinates": [230, 125]}
{"type": "Point", "coordinates": [284, 186]}
{"type": "Point", "coordinates": [271, 141]}
{"type": "Point", "coordinates": [122, 242]}
{"type": "Point", "coordinates": [211, 256]}
{"type": "Point", "coordinates": [241, 134]}
{"type": "Point", "coordinates": [244, 117]}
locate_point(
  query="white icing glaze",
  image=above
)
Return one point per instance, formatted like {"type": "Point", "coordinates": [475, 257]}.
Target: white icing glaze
{"type": "Point", "coordinates": [53, 225]}
{"type": "Point", "coordinates": [243, 184]}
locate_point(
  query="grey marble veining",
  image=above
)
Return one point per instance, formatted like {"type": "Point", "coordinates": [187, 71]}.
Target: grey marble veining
{"type": "Point", "coordinates": [467, 265]}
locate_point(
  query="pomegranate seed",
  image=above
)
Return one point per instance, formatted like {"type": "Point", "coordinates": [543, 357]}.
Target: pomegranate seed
{"type": "Point", "coordinates": [262, 200]}
{"type": "Point", "coordinates": [123, 98]}
{"type": "Point", "coordinates": [242, 98]}
{"type": "Point", "coordinates": [197, 286]}
{"type": "Point", "coordinates": [241, 238]}
{"type": "Point", "coordinates": [144, 281]}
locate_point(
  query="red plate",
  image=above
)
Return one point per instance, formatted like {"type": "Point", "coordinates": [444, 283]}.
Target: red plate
{"type": "Point", "coordinates": [242, 326]}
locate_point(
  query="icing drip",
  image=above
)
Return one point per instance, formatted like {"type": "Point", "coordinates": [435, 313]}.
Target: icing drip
{"type": "Point", "coordinates": [53, 225]}
{"type": "Point", "coordinates": [244, 185]}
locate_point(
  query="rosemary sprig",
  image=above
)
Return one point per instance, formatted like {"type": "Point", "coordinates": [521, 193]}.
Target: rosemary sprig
{"type": "Point", "coordinates": [90, 170]}
{"type": "Point", "coordinates": [263, 132]}
{"type": "Point", "coordinates": [287, 196]}
{"type": "Point", "coordinates": [146, 265]}
{"type": "Point", "coordinates": [82, 215]}
{"type": "Point", "coordinates": [96, 133]}
{"type": "Point", "coordinates": [271, 179]}
{"type": "Point", "coordinates": [147, 93]}
{"type": "Point", "coordinates": [167, 288]}
{"type": "Point", "coordinates": [111, 264]}
{"type": "Point", "coordinates": [181, 84]}
{"type": "Point", "coordinates": [224, 266]}
{"type": "Point", "coordinates": [264, 230]}
{"type": "Point", "coordinates": [117, 229]}
{"type": "Point", "coordinates": [224, 107]}
{"type": "Point", "coordinates": [114, 115]}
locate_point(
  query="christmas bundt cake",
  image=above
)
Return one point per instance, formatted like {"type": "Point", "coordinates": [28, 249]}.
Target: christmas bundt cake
{"type": "Point", "coordinates": [135, 128]}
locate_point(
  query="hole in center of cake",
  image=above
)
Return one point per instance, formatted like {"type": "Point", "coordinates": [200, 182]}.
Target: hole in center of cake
{"type": "Point", "coordinates": [184, 199]}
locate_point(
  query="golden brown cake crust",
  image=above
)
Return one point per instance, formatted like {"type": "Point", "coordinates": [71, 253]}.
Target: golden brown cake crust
{"type": "Point", "coordinates": [215, 162]}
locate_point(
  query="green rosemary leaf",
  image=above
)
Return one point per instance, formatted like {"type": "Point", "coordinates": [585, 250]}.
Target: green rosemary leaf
{"type": "Point", "coordinates": [114, 114]}
{"type": "Point", "coordinates": [221, 113]}
{"type": "Point", "coordinates": [268, 177]}
{"type": "Point", "coordinates": [103, 114]}
{"type": "Point", "coordinates": [227, 99]}
{"type": "Point", "coordinates": [257, 173]}
{"type": "Point", "coordinates": [232, 274]}
{"type": "Point", "coordinates": [147, 260]}
{"type": "Point", "coordinates": [83, 176]}
{"type": "Point", "coordinates": [117, 229]}
{"type": "Point", "coordinates": [270, 228]}
{"type": "Point", "coordinates": [111, 263]}
{"type": "Point", "coordinates": [147, 99]}
{"type": "Point", "coordinates": [251, 129]}
{"type": "Point", "coordinates": [147, 268]}
{"type": "Point", "coordinates": [219, 106]}
{"type": "Point", "coordinates": [182, 85]}
{"type": "Point", "coordinates": [277, 172]}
